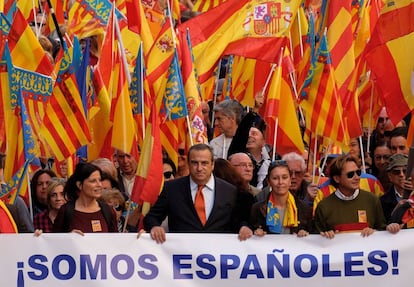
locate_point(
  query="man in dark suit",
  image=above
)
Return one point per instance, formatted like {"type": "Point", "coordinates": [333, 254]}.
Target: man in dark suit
{"type": "Point", "coordinates": [180, 201]}
{"type": "Point", "coordinates": [396, 170]}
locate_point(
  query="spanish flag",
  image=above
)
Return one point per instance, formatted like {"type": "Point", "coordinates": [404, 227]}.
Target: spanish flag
{"type": "Point", "coordinates": [390, 57]}
{"type": "Point", "coordinates": [253, 29]}
{"type": "Point", "coordinates": [149, 178]}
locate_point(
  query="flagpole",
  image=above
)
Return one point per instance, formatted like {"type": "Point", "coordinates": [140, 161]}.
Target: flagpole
{"type": "Point", "coordinates": [291, 44]}
{"type": "Point", "coordinates": [29, 188]}
{"type": "Point", "coordinates": [315, 150]}
{"type": "Point", "coordinates": [121, 46]}
{"type": "Point", "coordinates": [277, 118]}
{"type": "Point", "coordinates": [295, 91]}
{"type": "Point", "coordinates": [370, 115]}
{"type": "Point", "coordinates": [275, 139]}
{"type": "Point", "coordinates": [189, 130]}
{"type": "Point", "coordinates": [361, 150]}
{"type": "Point", "coordinates": [309, 155]}
{"type": "Point", "coordinates": [215, 93]}
{"type": "Point", "coordinates": [52, 11]}
{"type": "Point", "coordinates": [300, 36]}
{"type": "Point", "coordinates": [175, 47]}
{"type": "Point", "coordinates": [34, 15]}
{"type": "Point", "coordinates": [142, 90]}
{"type": "Point", "coordinates": [325, 159]}
{"type": "Point", "coordinates": [272, 69]}
{"type": "Point", "coordinates": [172, 24]}
{"type": "Point", "coordinates": [127, 216]}
{"type": "Point", "coordinates": [38, 28]}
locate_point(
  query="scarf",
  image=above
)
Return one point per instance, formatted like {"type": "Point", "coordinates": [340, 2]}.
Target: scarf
{"type": "Point", "coordinates": [342, 196]}
{"type": "Point", "coordinates": [273, 217]}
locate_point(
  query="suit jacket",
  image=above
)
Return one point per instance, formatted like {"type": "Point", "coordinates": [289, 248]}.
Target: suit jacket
{"type": "Point", "coordinates": [175, 201]}
{"type": "Point", "coordinates": [388, 202]}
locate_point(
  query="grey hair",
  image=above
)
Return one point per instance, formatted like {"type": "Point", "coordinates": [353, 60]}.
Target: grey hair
{"type": "Point", "coordinates": [294, 156]}
{"type": "Point", "coordinates": [231, 109]}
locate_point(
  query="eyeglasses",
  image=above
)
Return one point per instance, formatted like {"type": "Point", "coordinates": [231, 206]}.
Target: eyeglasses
{"type": "Point", "coordinates": [382, 120]}
{"type": "Point", "coordinates": [279, 162]}
{"type": "Point", "coordinates": [381, 156]}
{"type": "Point", "coordinates": [296, 173]}
{"type": "Point", "coordinates": [33, 24]}
{"type": "Point", "coordinates": [168, 174]}
{"type": "Point", "coordinates": [398, 171]}
{"type": "Point", "coordinates": [181, 151]}
{"type": "Point", "coordinates": [351, 174]}
{"type": "Point", "coordinates": [244, 165]}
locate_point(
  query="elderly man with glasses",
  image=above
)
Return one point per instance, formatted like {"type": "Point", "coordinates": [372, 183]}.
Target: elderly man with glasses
{"type": "Point", "coordinates": [349, 208]}
{"type": "Point", "coordinates": [396, 171]}
{"type": "Point", "coordinates": [244, 166]}
{"type": "Point", "coordinates": [299, 187]}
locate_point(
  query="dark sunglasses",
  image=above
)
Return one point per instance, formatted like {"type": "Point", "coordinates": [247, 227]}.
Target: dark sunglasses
{"type": "Point", "coordinates": [279, 162]}
{"type": "Point", "coordinates": [398, 171]}
{"type": "Point", "coordinates": [351, 174]}
{"type": "Point", "coordinates": [118, 207]}
{"type": "Point", "coordinates": [181, 151]}
{"type": "Point", "coordinates": [168, 174]}
{"type": "Point", "coordinates": [382, 120]}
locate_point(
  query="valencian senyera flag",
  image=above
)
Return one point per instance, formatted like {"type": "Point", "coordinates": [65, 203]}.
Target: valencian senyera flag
{"type": "Point", "coordinates": [20, 143]}
{"type": "Point", "coordinates": [65, 128]}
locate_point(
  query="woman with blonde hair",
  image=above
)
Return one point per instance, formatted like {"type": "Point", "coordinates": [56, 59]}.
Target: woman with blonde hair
{"type": "Point", "coordinates": [114, 198]}
{"type": "Point", "coordinates": [55, 199]}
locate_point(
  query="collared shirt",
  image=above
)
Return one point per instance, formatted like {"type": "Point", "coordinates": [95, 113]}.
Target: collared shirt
{"type": "Point", "coordinates": [208, 193]}
{"type": "Point", "coordinates": [398, 196]}
{"type": "Point", "coordinates": [220, 146]}
{"type": "Point", "coordinates": [128, 184]}
{"type": "Point", "coordinates": [342, 196]}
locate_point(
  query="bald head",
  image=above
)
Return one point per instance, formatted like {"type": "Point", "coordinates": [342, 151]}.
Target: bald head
{"type": "Point", "coordinates": [243, 165]}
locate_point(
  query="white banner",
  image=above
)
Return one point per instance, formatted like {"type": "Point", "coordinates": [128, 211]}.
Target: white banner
{"type": "Point", "coordinates": [206, 260]}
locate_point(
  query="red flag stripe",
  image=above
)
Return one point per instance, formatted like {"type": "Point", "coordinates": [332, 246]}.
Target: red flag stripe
{"type": "Point", "coordinates": [387, 29]}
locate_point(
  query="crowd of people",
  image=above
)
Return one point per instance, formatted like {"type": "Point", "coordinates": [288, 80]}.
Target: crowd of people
{"type": "Point", "coordinates": [232, 186]}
